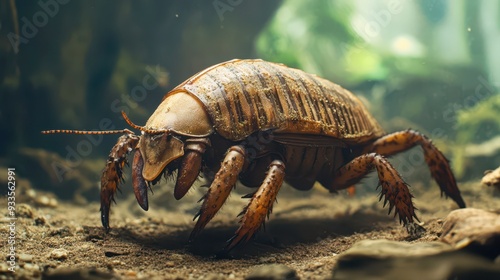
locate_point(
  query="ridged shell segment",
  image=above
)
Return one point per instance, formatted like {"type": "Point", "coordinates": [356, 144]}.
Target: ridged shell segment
{"type": "Point", "coordinates": [244, 96]}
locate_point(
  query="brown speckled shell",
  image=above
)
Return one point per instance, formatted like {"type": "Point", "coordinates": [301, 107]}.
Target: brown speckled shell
{"type": "Point", "coordinates": [244, 96]}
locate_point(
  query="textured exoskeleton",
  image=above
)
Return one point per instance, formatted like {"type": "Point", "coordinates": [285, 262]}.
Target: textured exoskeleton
{"type": "Point", "coordinates": [263, 123]}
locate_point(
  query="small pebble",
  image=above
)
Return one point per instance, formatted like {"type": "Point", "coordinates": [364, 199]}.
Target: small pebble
{"type": "Point", "coordinates": [79, 229]}
{"type": "Point", "coordinates": [117, 262]}
{"type": "Point", "coordinates": [272, 272]}
{"type": "Point", "coordinates": [31, 193]}
{"type": "Point", "coordinates": [46, 201]}
{"type": "Point", "coordinates": [4, 267]}
{"type": "Point", "coordinates": [53, 202]}
{"type": "Point", "coordinates": [59, 254]}
{"type": "Point", "coordinates": [25, 257]}
{"type": "Point", "coordinates": [176, 257]}
{"type": "Point", "coordinates": [40, 221]}
{"type": "Point", "coordinates": [288, 258]}
{"type": "Point", "coordinates": [43, 200]}
{"type": "Point", "coordinates": [24, 211]}
{"type": "Point", "coordinates": [32, 267]}
{"type": "Point", "coordinates": [130, 273]}
{"type": "Point", "coordinates": [62, 231]}
{"type": "Point", "coordinates": [169, 264]}
{"type": "Point", "coordinates": [317, 264]}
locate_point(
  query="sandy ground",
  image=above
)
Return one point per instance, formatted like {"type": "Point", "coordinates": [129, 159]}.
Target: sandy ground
{"type": "Point", "coordinates": [307, 232]}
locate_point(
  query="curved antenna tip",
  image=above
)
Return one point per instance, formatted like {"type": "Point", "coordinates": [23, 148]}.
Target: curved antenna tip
{"type": "Point", "coordinates": [142, 128]}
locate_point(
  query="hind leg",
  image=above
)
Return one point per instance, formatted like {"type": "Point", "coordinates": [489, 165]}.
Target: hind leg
{"type": "Point", "coordinates": [394, 189]}
{"type": "Point", "coordinates": [438, 164]}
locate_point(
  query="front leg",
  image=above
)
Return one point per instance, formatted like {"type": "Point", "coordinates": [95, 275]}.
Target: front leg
{"type": "Point", "coordinates": [112, 174]}
{"type": "Point", "coordinates": [260, 206]}
{"type": "Point", "coordinates": [138, 183]}
{"type": "Point", "coordinates": [219, 190]}
{"type": "Point", "coordinates": [190, 166]}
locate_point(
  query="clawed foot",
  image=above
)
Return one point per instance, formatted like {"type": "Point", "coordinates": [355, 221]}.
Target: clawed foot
{"type": "Point", "coordinates": [415, 230]}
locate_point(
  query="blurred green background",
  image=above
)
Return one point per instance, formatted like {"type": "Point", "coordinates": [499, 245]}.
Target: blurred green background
{"type": "Point", "coordinates": [431, 65]}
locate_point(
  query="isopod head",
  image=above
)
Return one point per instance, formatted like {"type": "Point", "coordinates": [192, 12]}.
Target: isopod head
{"type": "Point", "coordinates": [179, 115]}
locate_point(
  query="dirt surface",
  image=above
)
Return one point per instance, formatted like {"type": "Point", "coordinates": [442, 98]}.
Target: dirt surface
{"type": "Point", "coordinates": [307, 231]}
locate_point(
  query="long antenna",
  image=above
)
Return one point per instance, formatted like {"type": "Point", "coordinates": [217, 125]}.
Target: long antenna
{"type": "Point", "coordinates": [68, 131]}
{"type": "Point", "coordinates": [142, 128]}
{"type": "Point", "coordinates": [125, 117]}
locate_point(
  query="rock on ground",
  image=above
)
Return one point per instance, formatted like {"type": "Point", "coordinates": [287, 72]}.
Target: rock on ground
{"type": "Point", "coordinates": [384, 259]}
{"type": "Point", "coordinates": [473, 229]}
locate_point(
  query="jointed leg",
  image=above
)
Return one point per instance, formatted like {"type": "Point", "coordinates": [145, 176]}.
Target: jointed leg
{"type": "Point", "coordinates": [260, 205]}
{"type": "Point", "coordinates": [438, 164]}
{"type": "Point", "coordinates": [394, 189]}
{"type": "Point", "coordinates": [112, 175]}
{"type": "Point", "coordinates": [190, 166]}
{"type": "Point", "coordinates": [219, 190]}
{"type": "Point", "coordinates": [138, 183]}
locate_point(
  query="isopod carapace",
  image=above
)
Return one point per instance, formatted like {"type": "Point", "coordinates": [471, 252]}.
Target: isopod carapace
{"type": "Point", "coordinates": [315, 131]}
